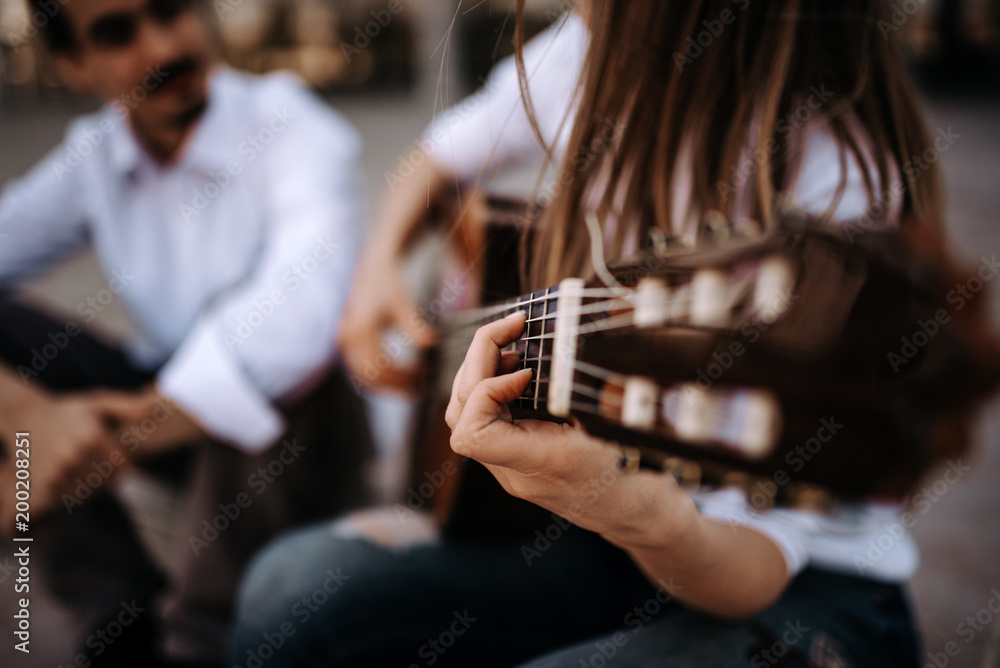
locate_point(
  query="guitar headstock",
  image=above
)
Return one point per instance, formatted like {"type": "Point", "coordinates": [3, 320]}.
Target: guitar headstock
{"type": "Point", "coordinates": [761, 360]}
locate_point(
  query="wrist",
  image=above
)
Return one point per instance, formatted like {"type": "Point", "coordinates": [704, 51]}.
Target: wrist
{"type": "Point", "coordinates": [665, 519]}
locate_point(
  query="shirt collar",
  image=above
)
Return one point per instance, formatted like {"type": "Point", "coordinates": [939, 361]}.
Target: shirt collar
{"type": "Point", "coordinates": [208, 147]}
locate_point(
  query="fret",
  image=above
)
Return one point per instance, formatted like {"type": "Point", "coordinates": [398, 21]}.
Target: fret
{"type": "Point", "coordinates": [541, 344]}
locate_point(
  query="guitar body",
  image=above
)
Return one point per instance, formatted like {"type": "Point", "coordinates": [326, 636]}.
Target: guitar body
{"type": "Point", "coordinates": [462, 495]}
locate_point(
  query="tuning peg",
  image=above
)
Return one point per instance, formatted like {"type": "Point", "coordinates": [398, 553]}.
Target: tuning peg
{"type": "Point", "coordinates": [709, 298]}
{"type": "Point", "coordinates": [686, 472]}
{"type": "Point", "coordinates": [651, 303]}
{"type": "Point", "coordinates": [803, 496]}
{"type": "Point", "coordinates": [715, 228]}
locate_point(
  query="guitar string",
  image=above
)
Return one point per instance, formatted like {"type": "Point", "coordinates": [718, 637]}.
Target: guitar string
{"type": "Point", "coordinates": [735, 294]}
{"type": "Point", "coordinates": [478, 317]}
{"type": "Point", "coordinates": [485, 313]}
{"type": "Point", "coordinates": [607, 324]}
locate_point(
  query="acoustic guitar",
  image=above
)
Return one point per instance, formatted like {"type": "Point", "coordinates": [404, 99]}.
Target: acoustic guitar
{"type": "Point", "coordinates": [797, 364]}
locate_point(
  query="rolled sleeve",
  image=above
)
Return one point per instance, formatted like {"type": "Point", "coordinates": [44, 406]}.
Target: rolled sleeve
{"type": "Point", "coordinates": [269, 338]}
{"type": "Point", "coordinates": [206, 380]}
{"type": "Point", "coordinates": [491, 129]}
{"type": "Point", "coordinates": [42, 217]}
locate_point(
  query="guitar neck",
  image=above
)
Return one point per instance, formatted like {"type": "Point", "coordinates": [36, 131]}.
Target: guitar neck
{"type": "Point", "coordinates": [534, 347]}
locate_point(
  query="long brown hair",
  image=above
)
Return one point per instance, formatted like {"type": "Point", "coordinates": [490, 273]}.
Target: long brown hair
{"type": "Point", "coordinates": [717, 78]}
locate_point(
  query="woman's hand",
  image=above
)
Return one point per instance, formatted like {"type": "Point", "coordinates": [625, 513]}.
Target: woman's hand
{"type": "Point", "coordinates": [557, 466]}
{"type": "Point", "coordinates": [726, 570]}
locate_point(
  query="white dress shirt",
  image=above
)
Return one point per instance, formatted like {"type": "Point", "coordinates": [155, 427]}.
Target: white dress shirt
{"type": "Point", "coordinates": [491, 131]}
{"type": "Point", "coordinates": [234, 261]}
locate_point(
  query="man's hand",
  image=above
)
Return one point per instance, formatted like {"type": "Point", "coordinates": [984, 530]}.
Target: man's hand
{"type": "Point", "coordinates": [148, 422]}
{"type": "Point", "coordinates": [68, 434]}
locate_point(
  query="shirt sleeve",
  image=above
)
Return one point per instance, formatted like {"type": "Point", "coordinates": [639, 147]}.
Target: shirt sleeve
{"type": "Point", "coordinates": [42, 219]}
{"type": "Point", "coordinates": [491, 129]}
{"type": "Point", "coordinates": [274, 333]}
{"type": "Point", "coordinates": [786, 529]}
{"type": "Point", "coordinates": [821, 174]}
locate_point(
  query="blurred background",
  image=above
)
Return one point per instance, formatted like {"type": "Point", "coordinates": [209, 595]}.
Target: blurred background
{"type": "Point", "coordinates": [429, 56]}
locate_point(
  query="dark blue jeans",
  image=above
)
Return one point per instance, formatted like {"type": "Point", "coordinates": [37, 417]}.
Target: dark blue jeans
{"type": "Point", "coordinates": [321, 600]}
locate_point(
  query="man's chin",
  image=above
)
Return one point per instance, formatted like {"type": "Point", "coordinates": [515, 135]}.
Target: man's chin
{"type": "Point", "coordinates": [179, 107]}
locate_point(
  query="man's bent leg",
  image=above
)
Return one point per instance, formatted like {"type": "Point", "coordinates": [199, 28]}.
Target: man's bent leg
{"type": "Point", "coordinates": [88, 553]}
{"type": "Point", "coordinates": [239, 503]}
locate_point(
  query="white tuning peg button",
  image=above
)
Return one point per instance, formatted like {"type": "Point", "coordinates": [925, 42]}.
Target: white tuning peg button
{"type": "Point", "coordinates": [652, 303]}
{"type": "Point", "coordinates": [774, 286]}
{"type": "Point", "coordinates": [694, 421]}
{"type": "Point", "coordinates": [709, 298]}
{"type": "Point", "coordinates": [762, 426]}
{"type": "Point", "coordinates": [640, 403]}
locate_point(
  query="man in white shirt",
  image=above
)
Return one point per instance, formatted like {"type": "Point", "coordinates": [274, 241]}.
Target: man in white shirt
{"type": "Point", "coordinates": [226, 214]}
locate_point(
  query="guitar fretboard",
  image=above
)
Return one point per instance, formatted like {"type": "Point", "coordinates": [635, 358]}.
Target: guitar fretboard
{"type": "Point", "coordinates": [534, 348]}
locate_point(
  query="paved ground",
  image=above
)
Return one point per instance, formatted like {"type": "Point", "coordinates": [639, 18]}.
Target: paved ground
{"type": "Point", "coordinates": [959, 534]}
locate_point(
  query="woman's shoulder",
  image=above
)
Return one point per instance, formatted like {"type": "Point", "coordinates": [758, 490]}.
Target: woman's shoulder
{"type": "Point", "coordinates": [830, 179]}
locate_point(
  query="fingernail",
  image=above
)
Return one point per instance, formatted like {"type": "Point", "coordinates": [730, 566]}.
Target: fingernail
{"type": "Point", "coordinates": [516, 314]}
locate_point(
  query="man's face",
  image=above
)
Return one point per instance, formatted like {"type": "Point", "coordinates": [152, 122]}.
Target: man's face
{"type": "Point", "coordinates": [152, 55]}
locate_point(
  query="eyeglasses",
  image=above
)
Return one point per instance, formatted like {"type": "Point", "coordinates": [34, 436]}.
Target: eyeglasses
{"type": "Point", "coordinates": [118, 29]}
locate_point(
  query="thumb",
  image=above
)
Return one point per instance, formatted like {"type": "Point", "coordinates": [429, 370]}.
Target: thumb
{"type": "Point", "coordinates": [124, 407]}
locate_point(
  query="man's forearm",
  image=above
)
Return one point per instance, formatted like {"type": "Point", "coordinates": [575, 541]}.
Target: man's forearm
{"type": "Point", "coordinates": [404, 209]}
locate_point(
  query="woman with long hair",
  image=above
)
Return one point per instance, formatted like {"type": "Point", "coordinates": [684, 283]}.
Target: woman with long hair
{"type": "Point", "coordinates": [652, 114]}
